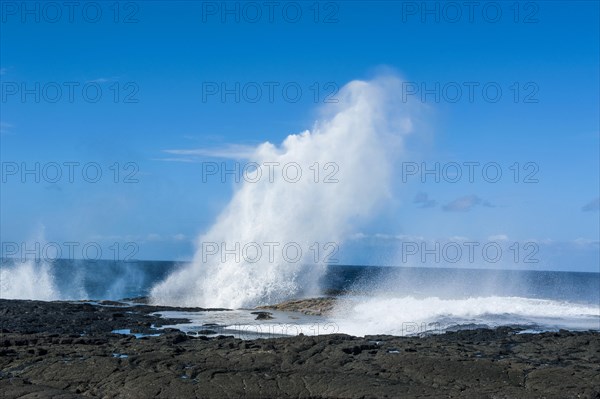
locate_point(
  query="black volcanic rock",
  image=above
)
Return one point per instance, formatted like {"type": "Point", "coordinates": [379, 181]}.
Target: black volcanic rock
{"type": "Point", "coordinates": [66, 350]}
{"type": "Point", "coordinates": [263, 315]}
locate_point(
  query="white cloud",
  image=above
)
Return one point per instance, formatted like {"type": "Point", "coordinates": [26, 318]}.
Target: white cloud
{"type": "Point", "coordinates": [585, 242]}
{"type": "Point", "coordinates": [5, 127]}
{"type": "Point", "coordinates": [458, 238]}
{"type": "Point", "coordinates": [424, 201]}
{"type": "Point", "coordinates": [153, 237]}
{"type": "Point", "coordinates": [185, 160]}
{"type": "Point", "coordinates": [229, 151]}
{"type": "Point", "coordinates": [498, 237]}
{"type": "Point", "coordinates": [466, 203]}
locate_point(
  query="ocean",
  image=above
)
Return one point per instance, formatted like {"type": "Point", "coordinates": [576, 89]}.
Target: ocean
{"type": "Point", "coordinates": [371, 299]}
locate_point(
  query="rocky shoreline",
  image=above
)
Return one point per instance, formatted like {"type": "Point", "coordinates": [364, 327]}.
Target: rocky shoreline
{"type": "Point", "coordinates": [68, 350]}
{"type": "Point", "coordinates": [311, 306]}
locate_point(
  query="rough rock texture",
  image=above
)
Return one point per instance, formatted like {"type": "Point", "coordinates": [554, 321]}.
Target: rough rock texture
{"type": "Point", "coordinates": [310, 306]}
{"type": "Point", "coordinates": [43, 354]}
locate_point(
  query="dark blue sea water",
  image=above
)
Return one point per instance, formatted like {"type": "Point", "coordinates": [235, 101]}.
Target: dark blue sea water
{"type": "Point", "coordinates": [575, 287]}
{"type": "Point", "coordinates": [376, 300]}
{"type": "Point", "coordinates": [72, 279]}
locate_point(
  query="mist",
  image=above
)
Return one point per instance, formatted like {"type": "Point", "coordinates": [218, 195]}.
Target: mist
{"type": "Point", "coordinates": [357, 140]}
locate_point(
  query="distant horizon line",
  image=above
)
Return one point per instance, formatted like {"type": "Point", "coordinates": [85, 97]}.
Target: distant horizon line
{"type": "Point", "coordinates": [4, 260]}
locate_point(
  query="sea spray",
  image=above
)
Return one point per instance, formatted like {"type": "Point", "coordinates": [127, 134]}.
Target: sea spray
{"type": "Point", "coordinates": [76, 279]}
{"type": "Point", "coordinates": [28, 279]}
{"type": "Point", "coordinates": [360, 136]}
{"type": "Point", "coordinates": [415, 300]}
{"type": "Point", "coordinates": [407, 315]}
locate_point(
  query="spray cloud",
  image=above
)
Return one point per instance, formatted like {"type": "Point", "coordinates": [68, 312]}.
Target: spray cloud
{"type": "Point", "coordinates": [361, 135]}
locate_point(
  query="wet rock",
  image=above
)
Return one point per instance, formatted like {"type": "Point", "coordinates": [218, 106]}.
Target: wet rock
{"type": "Point", "coordinates": [310, 306]}
{"type": "Point", "coordinates": [206, 332]}
{"type": "Point", "coordinates": [263, 315]}
{"type": "Point", "coordinates": [179, 338]}
{"type": "Point", "coordinates": [44, 355]}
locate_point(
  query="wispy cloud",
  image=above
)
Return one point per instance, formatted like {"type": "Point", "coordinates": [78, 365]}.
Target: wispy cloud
{"type": "Point", "coordinates": [593, 205]}
{"type": "Point", "coordinates": [150, 237]}
{"type": "Point", "coordinates": [466, 203]}
{"type": "Point", "coordinates": [153, 237]}
{"type": "Point", "coordinates": [179, 237]}
{"type": "Point", "coordinates": [586, 242]}
{"type": "Point", "coordinates": [498, 237]}
{"type": "Point", "coordinates": [185, 160]}
{"type": "Point", "coordinates": [229, 151]}
{"type": "Point", "coordinates": [424, 201]}
{"type": "Point", "coordinates": [5, 127]}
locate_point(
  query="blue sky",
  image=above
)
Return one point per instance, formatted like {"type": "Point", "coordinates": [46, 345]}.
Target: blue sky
{"type": "Point", "coordinates": [158, 57]}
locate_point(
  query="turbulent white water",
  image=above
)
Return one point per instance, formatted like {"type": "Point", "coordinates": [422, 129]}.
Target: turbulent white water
{"type": "Point", "coordinates": [46, 280]}
{"type": "Point", "coordinates": [400, 316]}
{"type": "Point", "coordinates": [28, 280]}
{"type": "Point", "coordinates": [408, 315]}
{"type": "Point", "coordinates": [360, 135]}
{"type": "Point", "coordinates": [359, 138]}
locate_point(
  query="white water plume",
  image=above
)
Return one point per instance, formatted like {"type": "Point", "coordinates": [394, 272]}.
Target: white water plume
{"type": "Point", "coordinates": [28, 279]}
{"type": "Point", "coordinates": [356, 141]}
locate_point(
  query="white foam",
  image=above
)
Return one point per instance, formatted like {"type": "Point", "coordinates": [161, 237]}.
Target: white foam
{"type": "Point", "coordinates": [242, 323]}
{"type": "Point", "coordinates": [361, 135]}
{"type": "Point", "coordinates": [28, 280]}
{"type": "Point", "coordinates": [408, 315]}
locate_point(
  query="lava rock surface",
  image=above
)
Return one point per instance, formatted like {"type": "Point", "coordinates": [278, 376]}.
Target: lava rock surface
{"type": "Point", "coordinates": [67, 350]}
